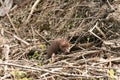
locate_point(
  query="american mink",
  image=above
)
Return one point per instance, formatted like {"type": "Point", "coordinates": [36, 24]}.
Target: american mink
{"type": "Point", "coordinates": [59, 44]}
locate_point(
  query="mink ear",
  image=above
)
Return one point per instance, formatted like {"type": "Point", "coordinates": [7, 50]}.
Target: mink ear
{"type": "Point", "coordinates": [64, 44]}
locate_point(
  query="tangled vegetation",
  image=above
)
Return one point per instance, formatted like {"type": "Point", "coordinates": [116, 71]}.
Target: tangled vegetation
{"type": "Point", "coordinates": [91, 26]}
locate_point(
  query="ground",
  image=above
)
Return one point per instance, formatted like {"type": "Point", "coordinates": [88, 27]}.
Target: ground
{"type": "Point", "coordinates": [92, 28]}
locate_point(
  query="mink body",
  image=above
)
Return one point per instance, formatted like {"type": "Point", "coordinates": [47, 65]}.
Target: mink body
{"type": "Point", "coordinates": [57, 45]}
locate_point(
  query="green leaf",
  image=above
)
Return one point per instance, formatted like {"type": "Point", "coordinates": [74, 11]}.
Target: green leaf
{"type": "Point", "coordinates": [112, 74]}
{"type": "Point", "coordinates": [42, 47]}
{"type": "Point", "coordinates": [35, 55]}
{"type": "Point", "coordinates": [88, 39]}
{"type": "Point", "coordinates": [19, 74]}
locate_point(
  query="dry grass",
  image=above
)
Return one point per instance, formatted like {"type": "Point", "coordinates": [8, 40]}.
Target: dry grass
{"type": "Point", "coordinates": [92, 27]}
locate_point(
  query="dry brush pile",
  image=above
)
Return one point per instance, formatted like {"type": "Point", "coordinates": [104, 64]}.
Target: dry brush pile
{"type": "Point", "coordinates": [91, 26]}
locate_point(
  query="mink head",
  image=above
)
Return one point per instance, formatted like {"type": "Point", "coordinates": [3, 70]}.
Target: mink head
{"type": "Point", "coordinates": [65, 47]}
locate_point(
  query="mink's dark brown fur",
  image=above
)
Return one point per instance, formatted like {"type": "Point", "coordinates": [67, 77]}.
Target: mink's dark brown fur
{"type": "Point", "coordinates": [59, 44]}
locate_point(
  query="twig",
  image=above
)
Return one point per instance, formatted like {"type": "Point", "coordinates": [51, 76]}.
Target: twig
{"type": "Point", "coordinates": [26, 51]}
{"type": "Point", "coordinates": [5, 76]}
{"type": "Point", "coordinates": [101, 32]}
{"type": "Point", "coordinates": [106, 50]}
{"type": "Point", "coordinates": [17, 37]}
{"type": "Point", "coordinates": [77, 30]}
{"type": "Point", "coordinates": [91, 31]}
{"type": "Point", "coordinates": [9, 17]}
{"type": "Point", "coordinates": [6, 51]}
{"type": "Point", "coordinates": [106, 61]}
{"type": "Point", "coordinates": [60, 18]}
{"type": "Point", "coordinates": [49, 71]}
{"type": "Point", "coordinates": [56, 69]}
{"type": "Point", "coordinates": [32, 10]}
{"type": "Point", "coordinates": [111, 7]}
{"type": "Point", "coordinates": [33, 34]}
{"type": "Point", "coordinates": [21, 40]}
{"type": "Point", "coordinates": [42, 37]}
{"type": "Point", "coordinates": [23, 3]}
